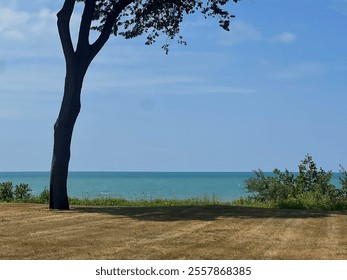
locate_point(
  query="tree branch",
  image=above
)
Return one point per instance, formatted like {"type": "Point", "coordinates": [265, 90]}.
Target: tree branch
{"type": "Point", "coordinates": [107, 28]}
{"type": "Point", "coordinates": [86, 21]}
{"type": "Point", "coordinates": [63, 22]}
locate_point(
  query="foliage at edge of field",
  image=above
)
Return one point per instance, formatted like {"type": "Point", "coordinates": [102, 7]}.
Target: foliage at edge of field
{"type": "Point", "coordinates": [310, 189]}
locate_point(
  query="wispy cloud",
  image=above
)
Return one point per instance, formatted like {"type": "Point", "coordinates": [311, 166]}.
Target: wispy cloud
{"type": "Point", "coordinates": [300, 70]}
{"type": "Point", "coordinates": [12, 23]}
{"type": "Point", "coordinates": [160, 85]}
{"type": "Point", "coordinates": [28, 35]}
{"type": "Point", "coordinates": [216, 89]}
{"type": "Point", "coordinates": [18, 25]}
{"type": "Point", "coordinates": [240, 32]}
{"type": "Point", "coordinates": [143, 83]}
{"type": "Point", "coordinates": [339, 6]}
{"type": "Point", "coordinates": [284, 37]}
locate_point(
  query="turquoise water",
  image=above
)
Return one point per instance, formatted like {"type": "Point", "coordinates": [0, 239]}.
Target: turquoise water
{"type": "Point", "coordinates": [136, 185]}
{"type": "Point", "coordinates": [226, 186]}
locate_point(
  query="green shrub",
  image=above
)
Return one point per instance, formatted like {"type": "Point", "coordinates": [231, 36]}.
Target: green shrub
{"type": "Point", "coordinates": [343, 182]}
{"type": "Point", "coordinates": [271, 188]}
{"type": "Point", "coordinates": [264, 186]}
{"type": "Point", "coordinates": [6, 193]}
{"type": "Point", "coordinates": [44, 196]}
{"type": "Point", "coordinates": [310, 189]}
{"type": "Point", "coordinates": [308, 200]}
{"type": "Point", "coordinates": [310, 179]}
{"type": "Point", "coordinates": [22, 192]}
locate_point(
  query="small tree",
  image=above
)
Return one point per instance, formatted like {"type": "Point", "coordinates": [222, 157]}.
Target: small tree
{"type": "Point", "coordinates": [126, 18]}
{"type": "Point", "coordinates": [286, 184]}
{"type": "Point", "coordinates": [307, 175]}
{"type": "Point", "coordinates": [310, 179]}
{"type": "Point", "coordinates": [6, 191]}
{"type": "Point", "coordinates": [22, 192]}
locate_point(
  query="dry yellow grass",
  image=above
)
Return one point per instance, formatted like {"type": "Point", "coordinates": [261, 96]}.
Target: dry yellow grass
{"type": "Point", "coordinates": [30, 231]}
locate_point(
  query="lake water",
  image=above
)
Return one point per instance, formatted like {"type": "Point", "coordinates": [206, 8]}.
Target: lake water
{"type": "Point", "coordinates": [226, 186]}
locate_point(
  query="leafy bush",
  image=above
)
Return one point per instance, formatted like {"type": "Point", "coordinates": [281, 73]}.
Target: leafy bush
{"type": "Point", "coordinates": [308, 200]}
{"type": "Point", "coordinates": [22, 192]}
{"type": "Point", "coordinates": [310, 189]}
{"type": "Point", "coordinates": [271, 188]}
{"type": "Point", "coordinates": [44, 196]}
{"type": "Point", "coordinates": [343, 182]}
{"type": "Point", "coordinates": [310, 179]}
{"type": "Point", "coordinates": [6, 193]}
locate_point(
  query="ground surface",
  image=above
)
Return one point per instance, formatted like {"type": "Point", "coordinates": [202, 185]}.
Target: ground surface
{"type": "Point", "coordinates": [30, 231]}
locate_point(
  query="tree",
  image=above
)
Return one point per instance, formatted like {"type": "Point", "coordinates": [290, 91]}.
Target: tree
{"type": "Point", "coordinates": [126, 18]}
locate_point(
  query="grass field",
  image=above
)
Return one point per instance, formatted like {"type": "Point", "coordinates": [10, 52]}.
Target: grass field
{"type": "Point", "coordinates": [30, 231]}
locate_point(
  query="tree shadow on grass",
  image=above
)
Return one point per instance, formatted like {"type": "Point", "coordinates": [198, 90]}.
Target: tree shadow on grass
{"type": "Point", "coordinates": [203, 213]}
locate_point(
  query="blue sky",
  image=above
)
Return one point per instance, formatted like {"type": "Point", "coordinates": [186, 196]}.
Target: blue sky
{"type": "Point", "coordinates": [260, 96]}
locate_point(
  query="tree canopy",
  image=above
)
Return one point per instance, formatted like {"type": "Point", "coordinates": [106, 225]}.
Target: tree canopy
{"type": "Point", "coordinates": [131, 18]}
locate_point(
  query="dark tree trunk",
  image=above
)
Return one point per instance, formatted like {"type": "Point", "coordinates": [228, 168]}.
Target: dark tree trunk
{"type": "Point", "coordinates": [77, 63]}
{"type": "Point", "coordinates": [63, 129]}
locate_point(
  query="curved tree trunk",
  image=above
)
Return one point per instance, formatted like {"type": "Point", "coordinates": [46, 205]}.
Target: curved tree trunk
{"type": "Point", "coordinates": [63, 129]}
{"type": "Point", "coordinates": [77, 63]}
